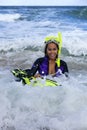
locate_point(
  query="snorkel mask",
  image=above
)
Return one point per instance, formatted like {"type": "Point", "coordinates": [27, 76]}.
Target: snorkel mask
{"type": "Point", "coordinates": [57, 40]}
{"type": "Point", "coordinates": [51, 39]}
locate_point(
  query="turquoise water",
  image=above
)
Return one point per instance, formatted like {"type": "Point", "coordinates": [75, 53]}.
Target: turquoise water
{"type": "Point", "coordinates": [22, 33]}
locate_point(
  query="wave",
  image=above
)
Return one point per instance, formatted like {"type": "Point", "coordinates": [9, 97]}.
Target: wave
{"type": "Point", "coordinates": [18, 45]}
{"type": "Point", "coordinates": [69, 50]}
{"type": "Point", "coordinates": [9, 17]}
{"type": "Point", "coordinates": [78, 12]}
{"type": "Point", "coordinates": [39, 13]}
{"type": "Point", "coordinates": [36, 25]}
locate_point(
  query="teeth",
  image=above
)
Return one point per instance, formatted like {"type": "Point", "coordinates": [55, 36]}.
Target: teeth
{"type": "Point", "coordinates": [52, 55]}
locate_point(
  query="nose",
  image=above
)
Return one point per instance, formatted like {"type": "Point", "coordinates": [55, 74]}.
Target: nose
{"type": "Point", "coordinates": [52, 50]}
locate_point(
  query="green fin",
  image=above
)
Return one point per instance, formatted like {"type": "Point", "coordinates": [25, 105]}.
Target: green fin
{"type": "Point", "coordinates": [19, 73]}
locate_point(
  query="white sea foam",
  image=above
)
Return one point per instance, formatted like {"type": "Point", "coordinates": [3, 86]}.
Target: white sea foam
{"type": "Point", "coordinates": [25, 107]}
{"type": "Point", "coordinates": [9, 17]}
{"type": "Point", "coordinates": [75, 42]}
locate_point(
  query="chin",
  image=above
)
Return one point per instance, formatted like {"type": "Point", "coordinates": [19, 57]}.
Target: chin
{"type": "Point", "coordinates": [52, 58]}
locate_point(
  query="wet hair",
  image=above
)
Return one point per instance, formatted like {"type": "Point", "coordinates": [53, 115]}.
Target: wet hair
{"type": "Point", "coordinates": [45, 49]}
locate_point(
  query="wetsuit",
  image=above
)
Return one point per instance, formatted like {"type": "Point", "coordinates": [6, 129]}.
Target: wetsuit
{"type": "Point", "coordinates": [42, 66]}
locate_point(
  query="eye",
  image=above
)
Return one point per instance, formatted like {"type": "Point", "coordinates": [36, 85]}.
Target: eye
{"type": "Point", "coordinates": [49, 49]}
{"type": "Point", "coordinates": [53, 49]}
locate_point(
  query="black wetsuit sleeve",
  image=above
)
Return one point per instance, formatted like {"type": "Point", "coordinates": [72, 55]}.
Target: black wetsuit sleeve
{"type": "Point", "coordinates": [65, 68]}
{"type": "Point", "coordinates": [35, 67]}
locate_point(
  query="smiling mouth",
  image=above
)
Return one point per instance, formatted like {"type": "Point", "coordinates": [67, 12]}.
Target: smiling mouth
{"type": "Point", "coordinates": [52, 55]}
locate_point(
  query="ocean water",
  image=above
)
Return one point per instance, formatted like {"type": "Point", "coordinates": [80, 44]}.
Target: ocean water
{"type": "Point", "coordinates": [22, 33]}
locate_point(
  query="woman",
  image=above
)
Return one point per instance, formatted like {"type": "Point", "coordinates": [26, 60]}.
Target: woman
{"type": "Point", "coordinates": [50, 64]}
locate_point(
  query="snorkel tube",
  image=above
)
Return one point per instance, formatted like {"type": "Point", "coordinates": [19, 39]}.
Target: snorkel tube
{"type": "Point", "coordinates": [60, 47]}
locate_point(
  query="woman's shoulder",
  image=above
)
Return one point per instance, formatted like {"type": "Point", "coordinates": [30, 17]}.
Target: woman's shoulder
{"type": "Point", "coordinates": [39, 60]}
{"type": "Point", "coordinates": [62, 62]}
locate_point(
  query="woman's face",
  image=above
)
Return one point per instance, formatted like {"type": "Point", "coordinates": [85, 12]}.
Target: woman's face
{"type": "Point", "coordinates": [52, 51]}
